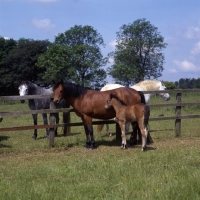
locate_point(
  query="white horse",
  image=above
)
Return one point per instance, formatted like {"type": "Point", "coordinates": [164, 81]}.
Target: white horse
{"type": "Point", "coordinates": [146, 85]}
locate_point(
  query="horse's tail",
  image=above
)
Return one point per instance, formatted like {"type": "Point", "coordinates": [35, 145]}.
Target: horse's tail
{"type": "Point", "coordinates": [146, 122]}
{"type": "Point", "coordinates": [146, 115]}
{"type": "Point", "coordinates": [142, 97]}
{"type": "Point", "coordinates": [100, 127]}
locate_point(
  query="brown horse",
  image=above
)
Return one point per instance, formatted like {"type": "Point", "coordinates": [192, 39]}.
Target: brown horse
{"type": "Point", "coordinates": [138, 112]}
{"type": "Point", "coordinates": [89, 103]}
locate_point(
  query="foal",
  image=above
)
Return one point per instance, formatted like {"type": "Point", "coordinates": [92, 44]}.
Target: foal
{"type": "Point", "coordinates": [138, 112]}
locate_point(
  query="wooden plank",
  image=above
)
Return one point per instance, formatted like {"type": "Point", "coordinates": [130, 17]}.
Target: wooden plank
{"type": "Point", "coordinates": [12, 98]}
{"type": "Point", "coordinates": [18, 128]}
{"type": "Point", "coordinates": [25, 112]}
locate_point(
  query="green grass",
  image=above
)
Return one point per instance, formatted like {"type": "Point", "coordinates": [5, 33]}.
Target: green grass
{"type": "Point", "coordinates": [169, 169]}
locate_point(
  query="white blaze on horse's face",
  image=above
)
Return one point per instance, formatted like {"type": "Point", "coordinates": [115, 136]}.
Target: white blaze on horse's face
{"type": "Point", "coordinates": [165, 96]}
{"type": "Point", "coordinates": [23, 90]}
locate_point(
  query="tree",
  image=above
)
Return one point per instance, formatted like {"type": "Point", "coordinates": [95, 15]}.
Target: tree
{"type": "Point", "coordinates": [76, 56]}
{"type": "Point", "coordinates": [19, 64]}
{"type": "Point", "coordinates": [169, 85]}
{"type": "Point", "coordinates": [138, 53]}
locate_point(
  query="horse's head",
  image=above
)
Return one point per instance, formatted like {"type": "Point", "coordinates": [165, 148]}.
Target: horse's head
{"type": "Point", "coordinates": [165, 96]}
{"type": "Point", "coordinates": [23, 90]}
{"type": "Point", "coordinates": [58, 93]}
{"type": "Point", "coordinates": [108, 104]}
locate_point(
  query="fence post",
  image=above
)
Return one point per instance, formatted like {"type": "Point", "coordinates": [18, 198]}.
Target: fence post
{"type": "Point", "coordinates": [52, 120]}
{"type": "Point", "coordinates": [178, 113]}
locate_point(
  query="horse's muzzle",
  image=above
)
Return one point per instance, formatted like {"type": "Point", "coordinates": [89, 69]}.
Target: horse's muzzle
{"type": "Point", "coordinates": [22, 101]}
{"type": "Point", "coordinates": [56, 103]}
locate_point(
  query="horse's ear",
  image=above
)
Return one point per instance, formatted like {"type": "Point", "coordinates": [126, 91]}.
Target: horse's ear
{"type": "Point", "coordinates": [61, 81]}
{"type": "Point", "coordinates": [53, 82]}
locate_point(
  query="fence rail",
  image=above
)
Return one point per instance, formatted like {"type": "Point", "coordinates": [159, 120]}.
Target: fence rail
{"type": "Point", "coordinates": [178, 117]}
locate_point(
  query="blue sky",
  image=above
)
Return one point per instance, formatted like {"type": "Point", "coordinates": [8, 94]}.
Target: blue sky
{"type": "Point", "coordinates": [178, 21]}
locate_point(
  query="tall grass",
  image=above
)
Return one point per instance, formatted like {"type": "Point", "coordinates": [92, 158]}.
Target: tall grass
{"type": "Point", "coordinates": [169, 169]}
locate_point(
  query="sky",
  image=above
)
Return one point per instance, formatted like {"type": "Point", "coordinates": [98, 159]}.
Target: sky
{"type": "Point", "coordinates": [178, 21]}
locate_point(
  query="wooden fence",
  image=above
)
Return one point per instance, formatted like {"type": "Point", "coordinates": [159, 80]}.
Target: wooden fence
{"type": "Point", "coordinates": [177, 117]}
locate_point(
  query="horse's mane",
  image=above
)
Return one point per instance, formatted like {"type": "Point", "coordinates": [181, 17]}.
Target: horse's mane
{"type": "Point", "coordinates": [117, 98]}
{"type": "Point", "coordinates": [72, 89]}
{"type": "Point", "coordinates": [149, 84]}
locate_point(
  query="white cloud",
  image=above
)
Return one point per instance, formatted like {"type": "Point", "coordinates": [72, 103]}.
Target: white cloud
{"type": "Point", "coordinates": [112, 44]}
{"type": "Point", "coordinates": [173, 71]}
{"type": "Point", "coordinates": [43, 24]}
{"type": "Point", "coordinates": [196, 49]}
{"type": "Point", "coordinates": [192, 32]}
{"type": "Point", "coordinates": [186, 66]}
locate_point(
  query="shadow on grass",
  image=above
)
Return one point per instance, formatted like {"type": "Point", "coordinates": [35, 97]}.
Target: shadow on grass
{"type": "Point", "coordinates": [60, 135]}
{"type": "Point", "coordinates": [3, 145]}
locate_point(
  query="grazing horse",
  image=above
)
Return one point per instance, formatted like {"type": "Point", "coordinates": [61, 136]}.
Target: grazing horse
{"type": "Point", "coordinates": [146, 85]}
{"type": "Point", "coordinates": [29, 88]}
{"type": "Point", "coordinates": [138, 112]}
{"type": "Point", "coordinates": [89, 103]}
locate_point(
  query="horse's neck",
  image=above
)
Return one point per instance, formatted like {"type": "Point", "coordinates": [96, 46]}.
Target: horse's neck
{"type": "Point", "coordinates": [116, 104]}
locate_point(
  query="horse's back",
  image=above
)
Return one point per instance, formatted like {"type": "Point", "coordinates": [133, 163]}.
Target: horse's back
{"type": "Point", "coordinates": [111, 87]}
{"type": "Point", "coordinates": [93, 103]}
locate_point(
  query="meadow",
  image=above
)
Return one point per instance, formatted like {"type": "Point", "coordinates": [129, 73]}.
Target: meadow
{"type": "Point", "coordinates": [169, 169]}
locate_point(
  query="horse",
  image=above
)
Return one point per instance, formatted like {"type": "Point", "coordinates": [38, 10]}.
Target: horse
{"type": "Point", "coordinates": [138, 112]}
{"type": "Point", "coordinates": [146, 85]}
{"type": "Point", "coordinates": [89, 103]}
{"type": "Point", "coordinates": [29, 88]}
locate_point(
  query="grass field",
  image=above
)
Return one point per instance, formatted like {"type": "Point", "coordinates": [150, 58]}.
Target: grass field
{"type": "Point", "coordinates": [169, 169]}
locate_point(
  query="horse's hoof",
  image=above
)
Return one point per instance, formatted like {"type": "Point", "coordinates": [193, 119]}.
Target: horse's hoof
{"type": "Point", "coordinates": [123, 146]}
{"type": "Point", "coordinates": [92, 145]}
{"type": "Point", "coordinates": [34, 137]}
{"type": "Point", "coordinates": [143, 149]}
{"type": "Point", "coordinates": [87, 145]}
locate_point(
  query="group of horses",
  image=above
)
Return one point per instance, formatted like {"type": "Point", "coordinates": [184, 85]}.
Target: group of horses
{"type": "Point", "coordinates": [122, 103]}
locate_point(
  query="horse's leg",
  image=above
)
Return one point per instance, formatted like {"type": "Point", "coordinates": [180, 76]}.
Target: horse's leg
{"type": "Point", "coordinates": [108, 133]}
{"type": "Point", "coordinates": [44, 115]}
{"type": "Point", "coordinates": [90, 142]}
{"type": "Point", "coordinates": [57, 122]}
{"type": "Point", "coordinates": [35, 123]}
{"type": "Point", "coordinates": [127, 128]}
{"type": "Point", "coordinates": [122, 126]}
{"type": "Point", "coordinates": [133, 138]}
{"type": "Point", "coordinates": [143, 133]}
{"type": "Point", "coordinates": [66, 119]}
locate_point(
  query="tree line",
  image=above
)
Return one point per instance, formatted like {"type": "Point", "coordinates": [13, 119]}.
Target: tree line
{"type": "Point", "coordinates": [76, 56]}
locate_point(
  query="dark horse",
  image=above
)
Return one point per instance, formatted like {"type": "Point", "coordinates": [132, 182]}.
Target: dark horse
{"type": "Point", "coordinates": [90, 104]}
{"type": "Point", "coordinates": [29, 88]}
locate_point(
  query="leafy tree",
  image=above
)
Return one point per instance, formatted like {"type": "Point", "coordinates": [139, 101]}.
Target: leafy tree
{"type": "Point", "coordinates": [197, 83]}
{"type": "Point", "coordinates": [76, 56]}
{"type": "Point", "coordinates": [19, 64]}
{"type": "Point", "coordinates": [138, 53]}
{"type": "Point", "coordinates": [169, 85]}
{"type": "Point", "coordinates": [6, 45]}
